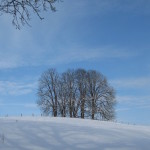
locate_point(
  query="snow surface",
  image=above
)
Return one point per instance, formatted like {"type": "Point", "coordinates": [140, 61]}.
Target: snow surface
{"type": "Point", "coordinates": [45, 133]}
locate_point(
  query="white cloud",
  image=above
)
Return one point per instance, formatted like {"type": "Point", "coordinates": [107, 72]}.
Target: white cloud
{"type": "Point", "coordinates": [89, 7]}
{"type": "Point", "coordinates": [141, 82]}
{"type": "Point", "coordinates": [134, 89]}
{"type": "Point", "coordinates": [30, 105]}
{"type": "Point", "coordinates": [26, 105]}
{"type": "Point", "coordinates": [130, 102]}
{"type": "Point", "coordinates": [134, 101]}
{"type": "Point", "coordinates": [25, 47]}
{"type": "Point", "coordinates": [107, 6]}
{"type": "Point", "coordinates": [14, 88]}
{"type": "Point", "coordinates": [70, 55]}
{"type": "Point", "coordinates": [122, 109]}
{"type": "Point", "coordinates": [36, 56]}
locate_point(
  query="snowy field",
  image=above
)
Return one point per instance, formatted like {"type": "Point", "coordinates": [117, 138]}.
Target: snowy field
{"type": "Point", "coordinates": [43, 133]}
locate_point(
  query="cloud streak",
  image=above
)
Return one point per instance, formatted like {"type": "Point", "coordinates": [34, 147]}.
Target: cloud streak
{"type": "Point", "coordinates": [83, 54]}
{"type": "Point", "coordinates": [20, 58]}
{"type": "Point", "coordinates": [103, 7]}
{"type": "Point", "coordinates": [16, 89]}
{"type": "Point", "coordinates": [135, 83]}
{"type": "Point", "coordinates": [26, 105]}
{"type": "Point", "coordinates": [25, 47]}
{"type": "Point", "coordinates": [138, 102]}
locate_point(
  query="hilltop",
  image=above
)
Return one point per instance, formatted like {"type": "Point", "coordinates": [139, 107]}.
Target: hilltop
{"type": "Point", "coordinates": [48, 133]}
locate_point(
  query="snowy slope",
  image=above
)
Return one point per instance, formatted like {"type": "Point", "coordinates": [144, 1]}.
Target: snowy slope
{"type": "Point", "coordinates": [43, 133]}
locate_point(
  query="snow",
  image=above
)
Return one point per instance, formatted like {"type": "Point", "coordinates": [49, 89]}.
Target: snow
{"type": "Point", "coordinates": [47, 133]}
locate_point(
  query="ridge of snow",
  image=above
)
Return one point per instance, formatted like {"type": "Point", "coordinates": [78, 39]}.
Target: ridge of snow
{"type": "Point", "coordinates": [49, 133]}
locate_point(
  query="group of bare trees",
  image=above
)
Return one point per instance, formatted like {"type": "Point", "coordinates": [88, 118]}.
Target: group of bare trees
{"type": "Point", "coordinates": [76, 93]}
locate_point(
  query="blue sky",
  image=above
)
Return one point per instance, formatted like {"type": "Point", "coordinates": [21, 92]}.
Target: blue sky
{"type": "Point", "coordinates": [112, 37]}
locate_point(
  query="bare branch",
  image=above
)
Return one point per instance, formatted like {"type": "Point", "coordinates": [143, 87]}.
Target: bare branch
{"type": "Point", "coordinates": [20, 10]}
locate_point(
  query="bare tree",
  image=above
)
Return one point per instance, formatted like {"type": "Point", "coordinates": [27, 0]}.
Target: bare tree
{"type": "Point", "coordinates": [48, 92]}
{"type": "Point", "coordinates": [63, 97]}
{"type": "Point", "coordinates": [69, 78]}
{"type": "Point", "coordinates": [101, 97]}
{"type": "Point", "coordinates": [81, 81]}
{"type": "Point", "coordinates": [21, 10]}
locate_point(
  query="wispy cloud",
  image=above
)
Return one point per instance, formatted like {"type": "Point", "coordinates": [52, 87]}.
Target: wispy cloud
{"type": "Point", "coordinates": [103, 7]}
{"type": "Point", "coordinates": [141, 82]}
{"type": "Point", "coordinates": [26, 105]}
{"type": "Point", "coordinates": [25, 47]}
{"type": "Point", "coordinates": [133, 101]}
{"type": "Point", "coordinates": [83, 54]}
{"type": "Point", "coordinates": [35, 56]}
{"type": "Point", "coordinates": [15, 88]}
{"type": "Point", "coordinates": [130, 96]}
{"type": "Point", "coordinates": [122, 109]}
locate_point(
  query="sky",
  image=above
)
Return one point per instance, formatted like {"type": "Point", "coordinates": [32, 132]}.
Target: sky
{"type": "Point", "coordinates": [112, 37]}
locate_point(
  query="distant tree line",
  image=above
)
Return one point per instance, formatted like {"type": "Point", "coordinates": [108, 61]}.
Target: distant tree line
{"type": "Point", "coordinates": [76, 93]}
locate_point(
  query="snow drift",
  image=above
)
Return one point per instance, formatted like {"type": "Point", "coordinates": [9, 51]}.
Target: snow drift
{"type": "Point", "coordinates": [45, 133]}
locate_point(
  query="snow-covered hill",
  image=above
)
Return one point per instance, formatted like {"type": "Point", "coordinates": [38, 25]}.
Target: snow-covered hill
{"type": "Point", "coordinates": [43, 133]}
